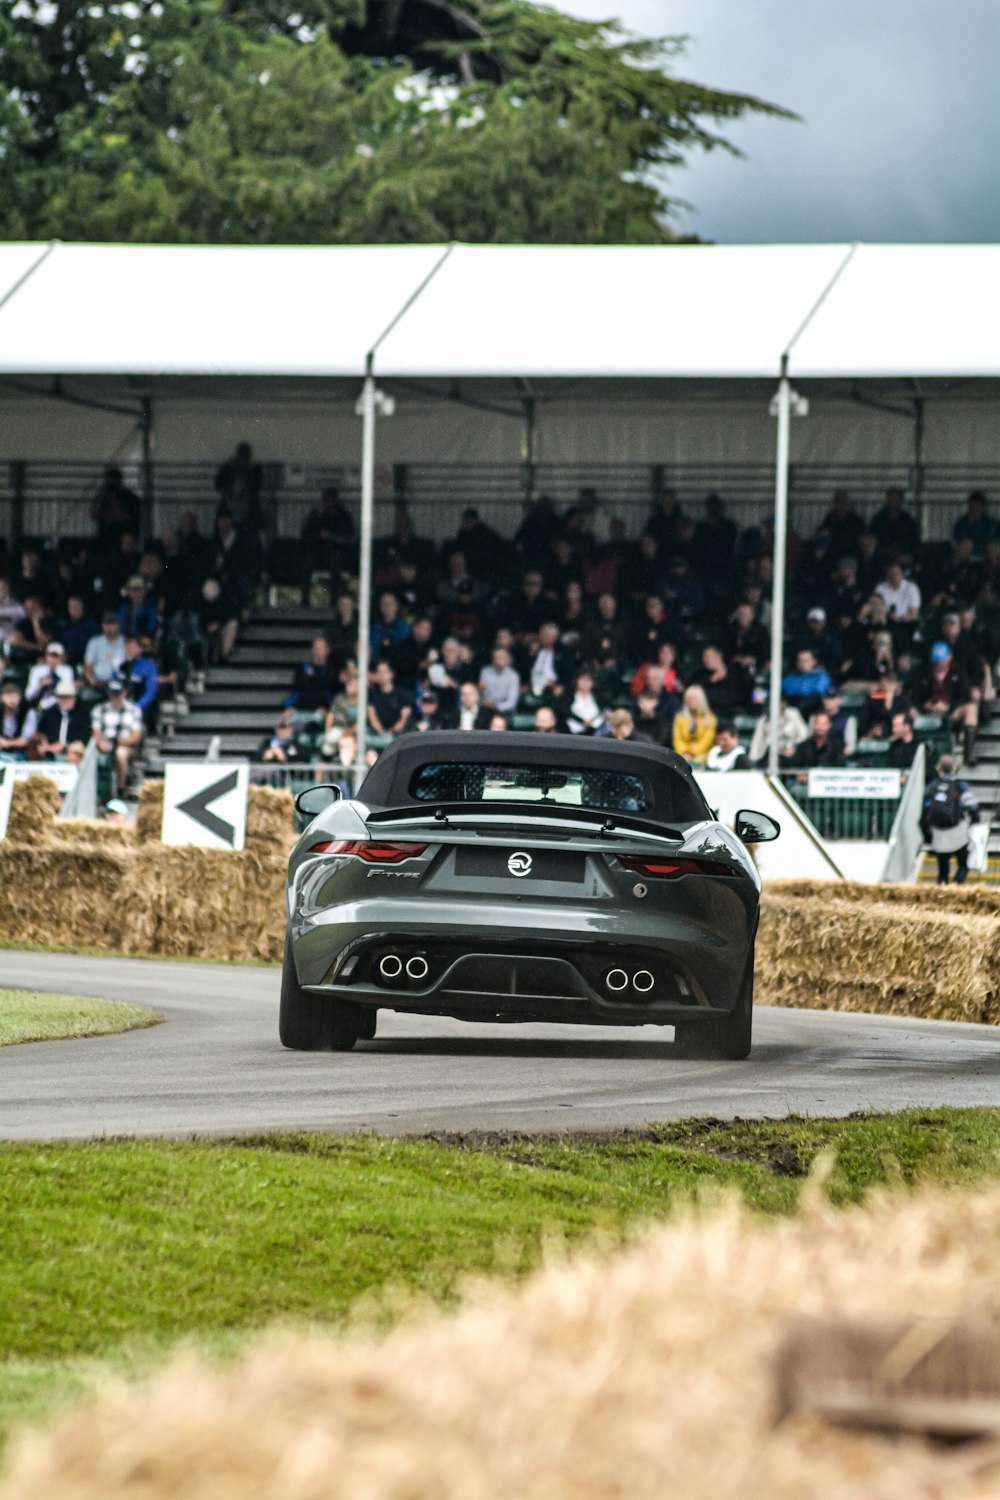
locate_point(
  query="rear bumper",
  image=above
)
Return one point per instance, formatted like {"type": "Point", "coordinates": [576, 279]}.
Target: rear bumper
{"type": "Point", "coordinates": [563, 970]}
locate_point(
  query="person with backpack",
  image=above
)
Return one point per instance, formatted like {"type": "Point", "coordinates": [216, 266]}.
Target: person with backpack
{"type": "Point", "coordinates": [949, 813]}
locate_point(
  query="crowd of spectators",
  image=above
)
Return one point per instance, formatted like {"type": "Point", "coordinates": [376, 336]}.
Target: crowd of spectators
{"type": "Point", "coordinates": [98, 632]}
{"type": "Point", "coordinates": [571, 626]}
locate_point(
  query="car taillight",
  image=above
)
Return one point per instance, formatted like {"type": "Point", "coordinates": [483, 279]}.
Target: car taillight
{"type": "Point", "coordinates": [672, 869]}
{"type": "Point", "coordinates": [372, 851]}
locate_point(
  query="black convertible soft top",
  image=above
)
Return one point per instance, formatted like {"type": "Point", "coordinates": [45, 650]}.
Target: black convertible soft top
{"type": "Point", "coordinates": [675, 794]}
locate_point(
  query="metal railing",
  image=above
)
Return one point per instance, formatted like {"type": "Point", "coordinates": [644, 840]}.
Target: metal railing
{"type": "Point", "coordinates": [49, 501]}
{"type": "Point", "coordinates": [863, 818]}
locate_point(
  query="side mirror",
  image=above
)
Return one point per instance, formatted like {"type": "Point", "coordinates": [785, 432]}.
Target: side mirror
{"type": "Point", "coordinates": [316, 799]}
{"type": "Point", "coordinates": [755, 827]}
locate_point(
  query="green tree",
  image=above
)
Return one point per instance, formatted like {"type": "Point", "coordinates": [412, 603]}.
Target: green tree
{"type": "Point", "coordinates": [342, 122]}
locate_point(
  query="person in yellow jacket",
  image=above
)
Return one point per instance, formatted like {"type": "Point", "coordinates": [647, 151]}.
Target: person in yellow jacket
{"type": "Point", "coordinates": [694, 726]}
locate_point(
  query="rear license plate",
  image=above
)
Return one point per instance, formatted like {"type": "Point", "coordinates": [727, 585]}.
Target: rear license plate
{"type": "Point", "coordinates": [519, 864]}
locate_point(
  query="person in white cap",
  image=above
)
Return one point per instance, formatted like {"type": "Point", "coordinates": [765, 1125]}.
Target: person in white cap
{"type": "Point", "coordinates": [45, 675]}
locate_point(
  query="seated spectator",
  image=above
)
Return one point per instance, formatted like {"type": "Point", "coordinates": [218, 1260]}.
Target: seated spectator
{"type": "Point", "coordinates": [75, 630]}
{"type": "Point", "coordinates": [327, 538]}
{"type": "Point", "coordinates": [143, 680]}
{"type": "Point", "coordinates": [653, 631]}
{"type": "Point", "coordinates": [448, 672]}
{"type": "Point", "coordinates": [694, 727]}
{"type": "Point", "coordinates": [499, 684]}
{"type": "Point", "coordinates": [975, 525]}
{"type": "Point", "coordinates": [869, 565]}
{"type": "Point", "coordinates": [604, 639]}
{"type": "Point", "coordinates": [965, 652]}
{"type": "Point", "coordinates": [425, 716]}
{"type": "Point", "coordinates": [602, 568]}
{"type": "Point", "coordinates": [584, 714]}
{"type": "Point", "coordinates": [218, 618]}
{"type": "Point", "coordinates": [388, 626]}
{"type": "Point", "coordinates": [30, 635]}
{"type": "Point", "coordinates": [120, 566]}
{"type": "Point", "coordinates": [792, 730]}
{"type": "Point", "coordinates": [622, 726]}
{"type": "Point", "coordinates": [824, 643]}
{"type": "Point", "coordinates": [498, 723]}
{"type": "Point", "coordinates": [803, 689]}
{"type": "Point", "coordinates": [234, 561]}
{"type": "Point", "coordinates": [902, 743]}
{"type": "Point", "coordinates": [893, 527]}
{"type": "Point", "coordinates": [713, 546]}
{"type": "Point", "coordinates": [470, 713]}
{"type": "Point", "coordinates": [18, 721]}
{"type": "Point", "coordinates": [643, 569]}
{"type": "Point", "coordinates": [458, 589]}
{"type": "Point", "coordinates": [574, 615]}
{"type": "Point", "coordinates": [342, 761]}
{"type": "Point", "coordinates": [10, 614]}
{"type": "Point", "coordinates": [727, 754]}
{"type": "Point", "coordinates": [551, 666]}
{"type": "Point", "coordinates": [956, 581]}
{"type": "Point", "coordinates": [529, 609]}
{"type": "Point", "coordinates": [342, 632]}
{"type": "Point", "coordinates": [821, 748]}
{"type": "Point", "coordinates": [280, 746]}
{"type": "Point", "coordinates": [682, 593]}
{"type": "Point", "coordinates": [843, 726]}
{"type": "Point", "coordinates": [410, 658]}
{"type": "Point", "coordinates": [105, 653]}
{"type": "Point", "coordinates": [343, 711]}
{"type": "Point", "coordinates": [561, 566]}
{"type": "Point", "coordinates": [650, 723]}
{"type": "Point", "coordinates": [414, 590]}
{"type": "Point", "coordinates": [45, 675]}
{"type": "Point", "coordinates": [116, 727]}
{"type": "Point", "coordinates": [533, 536]}
{"type": "Point", "coordinates": [315, 680]}
{"type": "Point", "coordinates": [389, 709]}
{"type": "Point", "coordinates": [844, 597]}
{"type": "Point", "coordinates": [945, 690]}
{"type": "Point", "coordinates": [480, 545]}
{"type": "Point", "coordinates": [546, 721]}
{"type": "Point", "coordinates": [885, 701]}
{"type": "Point", "coordinates": [667, 682]}
{"type": "Point", "coordinates": [901, 597]}
{"type": "Point", "coordinates": [729, 688]}
{"type": "Point", "coordinates": [66, 723]}
{"type": "Point", "coordinates": [402, 543]}
{"type": "Point", "coordinates": [748, 644]}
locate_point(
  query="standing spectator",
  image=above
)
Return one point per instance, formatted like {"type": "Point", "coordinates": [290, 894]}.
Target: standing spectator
{"type": "Point", "coordinates": [694, 726]}
{"type": "Point", "coordinates": [727, 754]}
{"type": "Point", "coordinates": [902, 743]}
{"type": "Point", "coordinates": [389, 711]}
{"type": "Point", "coordinates": [949, 813]}
{"type": "Point", "coordinates": [327, 538]}
{"type": "Point", "coordinates": [238, 484]}
{"type": "Point", "coordinates": [105, 653]}
{"type": "Point", "coordinates": [117, 730]}
{"type": "Point", "coordinates": [115, 508]}
{"type": "Point", "coordinates": [662, 521]}
{"type": "Point", "coordinates": [499, 684]}
{"type": "Point", "coordinates": [18, 721]}
{"type": "Point", "coordinates": [585, 715]}
{"type": "Point", "coordinates": [893, 527]}
{"type": "Point", "coordinates": [45, 676]}
{"type": "Point", "coordinates": [233, 560]}
{"type": "Point", "coordinates": [142, 680]}
{"type": "Point", "coordinates": [342, 632]}
{"type": "Point", "coordinates": [945, 690]}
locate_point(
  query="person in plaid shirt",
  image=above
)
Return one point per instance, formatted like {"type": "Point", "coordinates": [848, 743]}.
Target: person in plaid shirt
{"type": "Point", "coordinates": [117, 729]}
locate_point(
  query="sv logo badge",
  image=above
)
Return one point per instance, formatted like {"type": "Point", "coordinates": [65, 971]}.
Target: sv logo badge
{"type": "Point", "coordinates": [519, 864]}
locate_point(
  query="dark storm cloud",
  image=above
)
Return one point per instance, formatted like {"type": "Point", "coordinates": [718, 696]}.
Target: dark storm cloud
{"type": "Point", "coordinates": [901, 116]}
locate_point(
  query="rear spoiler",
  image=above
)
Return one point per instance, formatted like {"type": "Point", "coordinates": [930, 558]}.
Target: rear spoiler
{"type": "Point", "coordinates": [497, 812]}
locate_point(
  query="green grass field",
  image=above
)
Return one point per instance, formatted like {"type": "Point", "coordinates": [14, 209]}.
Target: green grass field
{"type": "Point", "coordinates": [113, 1251]}
{"type": "Point", "coordinates": [29, 1016]}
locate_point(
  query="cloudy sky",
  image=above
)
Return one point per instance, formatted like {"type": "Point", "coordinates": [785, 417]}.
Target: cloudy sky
{"type": "Point", "coordinates": [901, 109]}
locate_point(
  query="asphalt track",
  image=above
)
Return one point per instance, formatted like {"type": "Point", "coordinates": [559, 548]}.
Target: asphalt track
{"type": "Point", "coordinates": [215, 1066]}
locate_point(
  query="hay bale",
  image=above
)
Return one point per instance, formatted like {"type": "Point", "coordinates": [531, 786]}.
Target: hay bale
{"type": "Point", "coordinates": [977, 899]}
{"type": "Point", "coordinates": [61, 895]}
{"type": "Point", "coordinates": [33, 810]}
{"type": "Point", "coordinates": [203, 903]}
{"type": "Point", "coordinates": [904, 960]}
{"type": "Point", "coordinates": [633, 1377]}
{"type": "Point", "coordinates": [270, 813]}
{"type": "Point", "coordinates": [93, 831]}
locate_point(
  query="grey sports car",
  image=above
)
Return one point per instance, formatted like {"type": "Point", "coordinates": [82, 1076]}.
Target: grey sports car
{"type": "Point", "coordinates": [522, 877]}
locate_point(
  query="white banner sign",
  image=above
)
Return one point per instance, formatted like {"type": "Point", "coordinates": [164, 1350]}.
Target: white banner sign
{"type": "Point", "coordinates": [874, 785]}
{"type": "Point", "coordinates": [205, 803]}
{"type": "Point", "coordinates": [61, 772]}
{"type": "Point", "coordinates": [6, 792]}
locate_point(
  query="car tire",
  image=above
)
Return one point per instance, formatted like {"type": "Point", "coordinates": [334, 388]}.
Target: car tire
{"type": "Point", "coordinates": [317, 1023]}
{"type": "Point", "coordinates": [729, 1039]}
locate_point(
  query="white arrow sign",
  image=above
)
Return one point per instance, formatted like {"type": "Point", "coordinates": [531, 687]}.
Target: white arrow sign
{"type": "Point", "coordinates": [205, 803]}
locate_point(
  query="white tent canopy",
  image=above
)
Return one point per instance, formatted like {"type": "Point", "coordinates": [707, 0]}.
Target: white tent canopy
{"type": "Point", "coordinates": [695, 312]}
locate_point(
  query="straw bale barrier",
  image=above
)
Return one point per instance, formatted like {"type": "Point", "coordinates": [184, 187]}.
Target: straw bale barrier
{"type": "Point", "coordinates": [61, 895]}
{"type": "Point", "coordinates": [204, 903]}
{"type": "Point", "coordinates": [269, 818]}
{"type": "Point", "coordinates": [645, 1374]}
{"type": "Point", "coordinates": [33, 809]}
{"type": "Point", "coordinates": [972, 899]}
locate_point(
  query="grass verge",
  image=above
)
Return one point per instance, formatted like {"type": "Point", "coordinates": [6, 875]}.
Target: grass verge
{"type": "Point", "coordinates": [113, 1251]}
{"type": "Point", "coordinates": [32, 1016]}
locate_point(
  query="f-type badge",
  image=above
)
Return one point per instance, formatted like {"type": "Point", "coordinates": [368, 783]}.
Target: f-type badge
{"type": "Point", "coordinates": [519, 863]}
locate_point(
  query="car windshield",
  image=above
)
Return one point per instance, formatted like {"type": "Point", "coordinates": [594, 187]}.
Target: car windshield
{"type": "Point", "coordinates": [565, 786]}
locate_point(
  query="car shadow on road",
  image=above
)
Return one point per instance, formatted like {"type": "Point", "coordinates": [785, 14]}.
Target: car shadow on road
{"type": "Point", "coordinates": [635, 1049]}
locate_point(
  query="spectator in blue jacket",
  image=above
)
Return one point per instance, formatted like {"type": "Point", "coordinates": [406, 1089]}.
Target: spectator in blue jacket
{"type": "Point", "coordinates": [804, 688]}
{"type": "Point", "coordinates": [139, 614]}
{"type": "Point", "coordinates": [142, 678]}
{"type": "Point", "coordinates": [388, 627]}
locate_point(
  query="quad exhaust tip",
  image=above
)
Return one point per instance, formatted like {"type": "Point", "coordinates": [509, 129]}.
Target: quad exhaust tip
{"type": "Point", "coordinates": [642, 980]}
{"type": "Point", "coordinates": [616, 980]}
{"type": "Point", "coordinates": [391, 966]}
{"type": "Point", "coordinates": [417, 967]}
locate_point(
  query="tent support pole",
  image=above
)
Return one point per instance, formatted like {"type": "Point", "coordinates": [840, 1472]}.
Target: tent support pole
{"type": "Point", "coordinates": [365, 568]}
{"type": "Point", "coordinates": [784, 401]}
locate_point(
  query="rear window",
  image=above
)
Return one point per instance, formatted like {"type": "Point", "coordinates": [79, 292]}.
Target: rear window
{"type": "Point", "coordinates": [565, 786]}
